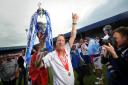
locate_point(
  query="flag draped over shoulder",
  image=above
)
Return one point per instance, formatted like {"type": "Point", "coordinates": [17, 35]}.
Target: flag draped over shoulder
{"type": "Point", "coordinates": [33, 30]}
{"type": "Point", "coordinates": [39, 76]}
{"type": "Point", "coordinates": [93, 47]}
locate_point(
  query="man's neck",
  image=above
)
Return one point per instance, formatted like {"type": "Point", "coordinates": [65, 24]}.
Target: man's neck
{"type": "Point", "coordinates": [61, 52]}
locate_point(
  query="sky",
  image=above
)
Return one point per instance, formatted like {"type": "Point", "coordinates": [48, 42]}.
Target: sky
{"type": "Point", "coordinates": [15, 16]}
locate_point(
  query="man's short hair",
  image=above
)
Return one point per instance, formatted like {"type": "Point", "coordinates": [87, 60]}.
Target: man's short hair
{"type": "Point", "coordinates": [107, 28]}
{"type": "Point", "coordinates": [122, 30]}
{"type": "Point", "coordinates": [59, 36]}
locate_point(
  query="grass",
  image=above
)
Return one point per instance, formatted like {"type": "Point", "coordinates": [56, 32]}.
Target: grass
{"type": "Point", "coordinates": [88, 80]}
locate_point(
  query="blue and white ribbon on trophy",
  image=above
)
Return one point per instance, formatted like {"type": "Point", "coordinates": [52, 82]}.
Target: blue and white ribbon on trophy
{"type": "Point", "coordinates": [33, 30]}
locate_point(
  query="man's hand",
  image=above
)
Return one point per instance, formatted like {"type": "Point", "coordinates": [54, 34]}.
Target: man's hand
{"type": "Point", "coordinates": [74, 18]}
{"type": "Point", "coordinates": [38, 62]}
{"type": "Point", "coordinates": [111, 50]}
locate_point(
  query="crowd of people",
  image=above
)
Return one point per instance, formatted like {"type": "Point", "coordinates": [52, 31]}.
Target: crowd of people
{"type": "Point", "coordinates": [76, 55]}
{"type": "Point", "coordinates": [12, 68]}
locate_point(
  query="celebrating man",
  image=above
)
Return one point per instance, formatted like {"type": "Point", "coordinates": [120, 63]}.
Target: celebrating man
{"type": "Point", "coordinates": [59, 60]}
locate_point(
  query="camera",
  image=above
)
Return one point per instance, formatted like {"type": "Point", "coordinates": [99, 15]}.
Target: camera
{"type": "Point", "coordinates": [104, 42]}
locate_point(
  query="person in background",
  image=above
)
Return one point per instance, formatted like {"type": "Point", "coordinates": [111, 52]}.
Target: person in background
{"type": "Point", "coordinates": [75, 59]}
{"type": "Point", "coordinates": [39, 76]}
{"type": "Point", "coordinates": [8, 69]}
{"type": "Point", "coordinates": [97, 61]}
{"type": "Point", "coordinates": [91, 50]}
{"type": "Point", "coordinates": [84, 51]}
{"type": "Point", "coordinates": [22, 69]}
{"type": "Point", "coordinates": [107, 29]}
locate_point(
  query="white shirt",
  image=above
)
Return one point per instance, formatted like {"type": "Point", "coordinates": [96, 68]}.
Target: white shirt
{"type": "Point", "coordinates": [24, 61]}
{"type": "Point", "coordinates": [106, 37]}
{"type": "Point", "coordinates": [60, 74]}
{"type": "Point", "coordinates": [77, 45]}
{"type": "Point", "coordinates": [84, 49]}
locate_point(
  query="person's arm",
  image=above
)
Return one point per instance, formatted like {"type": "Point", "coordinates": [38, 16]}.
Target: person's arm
{"type": "Point", "coordinates": [39, 62]}
{"type": "Point", "coordinates": [104, 55]}
{"type": "Point", "coordinates": [33, 70]}
{"type": "Point", "coordinates": [74, 30]}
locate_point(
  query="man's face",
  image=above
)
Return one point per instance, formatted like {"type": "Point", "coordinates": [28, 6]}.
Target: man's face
{"type": "Point", "coordinates": [74, 47]}
{"type": "Point", "coordinates": [60, 43]}
{"type": "Point", "coordinates": [23, 52]}
{"type": "Point", "coordinates": [97, 39]}
{"type": "Point", "coordinates": [105, 32]}
{"type": "Point", "coordinates": [120, 40]}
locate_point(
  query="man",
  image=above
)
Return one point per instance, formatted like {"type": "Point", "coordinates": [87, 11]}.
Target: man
{"type": "Point", "coordinates": [97, 61]}
{"type": "Point", "coordinates": [108, 38]}
{"type": "Point", "coordinates": [22, 70]}
{"type": "Point", "coordinates": [107, 29]}
{"type": "Point", "coordinates": [59, 60]}
{"type": "Point", "coordinates": [8, 68]}
{"type": "Point", "coordinates": [39, 76]}
{"type": "Point", "coordinates": [108, 34]}
{"type": "Point", "coordinates": [119, 57]}
{"type": "Point", "coordinates": [84, 50]}
{"type": "Point", "coordinates": [75, 57]}
{"type": "Point", "coordinates": [79, 65]}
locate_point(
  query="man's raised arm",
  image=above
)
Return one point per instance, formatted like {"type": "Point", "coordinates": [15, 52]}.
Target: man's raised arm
{"type": "Point", "coordinates": [74, 30]}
